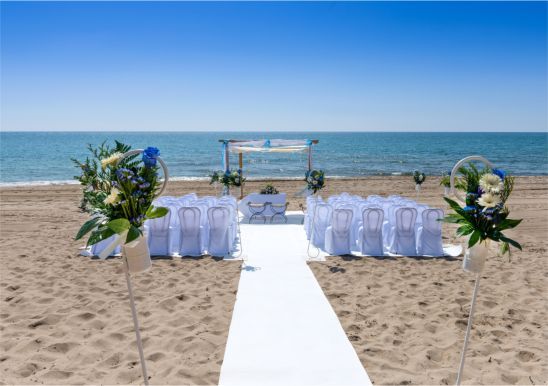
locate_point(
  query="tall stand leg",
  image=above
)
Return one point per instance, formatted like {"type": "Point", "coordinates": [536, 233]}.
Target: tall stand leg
{"type": "Point", "coordinates": [136, 324]}
{"type": "Point", "coordinates": [468, 328]}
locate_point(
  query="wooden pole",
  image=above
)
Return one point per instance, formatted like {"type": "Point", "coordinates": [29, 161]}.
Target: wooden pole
{"type": "Point", "coordinates": [309, 157]}
{"type": "Point", "coordinates": [241, 165]}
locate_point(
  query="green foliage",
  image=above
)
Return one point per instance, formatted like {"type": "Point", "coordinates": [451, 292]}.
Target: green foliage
{"type": "Point", "coordinates": [95, 179]}
{"type": "Point", "coordinates": [445, 181]}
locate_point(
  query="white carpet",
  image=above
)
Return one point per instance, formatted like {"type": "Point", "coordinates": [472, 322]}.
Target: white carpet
{"type": "Point", "coordinates": [283, 329]}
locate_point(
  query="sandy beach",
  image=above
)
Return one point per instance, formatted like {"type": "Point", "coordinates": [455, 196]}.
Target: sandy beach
{"type": "Point", "coordinates": [65, 319]}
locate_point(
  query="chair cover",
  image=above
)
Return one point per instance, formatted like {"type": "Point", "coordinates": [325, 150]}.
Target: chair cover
{"type": "Point", "coordinates": [356, 220]}
{"type": "Point", "coordinates": [191, 240]}
{"type": "Point", "coordinates": [219, 232]}
{"type": "Point", "coordinates": [338, 240]}
{"type": "Point", "coordinates": [370, 233]}
{"type": "Point", "coordinates": [97, 248]}
{"type": "Point", "coordinates": [160, 235]}
{"type": "Point", "coordinates": [429, 233]}
{"type": "Point", "coordinates": [319, 223]}
{"type": "Point", "coordinates": [403, 233]}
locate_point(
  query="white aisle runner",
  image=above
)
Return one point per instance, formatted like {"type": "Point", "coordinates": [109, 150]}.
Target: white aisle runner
{"type": "Point", "coordinates": [283, 329]}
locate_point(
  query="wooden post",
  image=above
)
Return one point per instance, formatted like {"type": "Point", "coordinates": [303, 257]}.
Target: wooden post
{"type": "Point", "coordinates": [227, 165]}
{"type": "Point", "coordinates": [241, 165]}
{"type": "Point", "coordinates": [309, 157]}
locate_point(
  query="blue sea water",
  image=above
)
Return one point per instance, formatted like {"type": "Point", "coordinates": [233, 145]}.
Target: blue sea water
{"type": "Point", "coordinates": [44, 157]}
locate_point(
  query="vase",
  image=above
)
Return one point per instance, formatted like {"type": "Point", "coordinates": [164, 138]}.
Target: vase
{"type": "Point", "coordinates": [226, 190]}
{"type": "Point", "coordinates": [137, 255]}
{"type": "Point", "coordinates": [474, 258]}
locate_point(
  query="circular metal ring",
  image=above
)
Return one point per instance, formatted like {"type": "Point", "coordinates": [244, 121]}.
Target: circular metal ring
{"type": "Point", "coordinates": [162, 163]}
{"type": "Point", "coordinates": [455, 169]}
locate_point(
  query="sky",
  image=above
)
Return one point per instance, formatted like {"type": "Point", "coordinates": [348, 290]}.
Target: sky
{"type": "Point", "coordinates": [257, 66]}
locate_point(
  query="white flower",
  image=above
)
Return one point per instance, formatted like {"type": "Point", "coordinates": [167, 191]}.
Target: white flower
{"type": "Point", "coordinates": [112, 198]}
{"type": "Point", "coordinates": [110, 160]}
{"type": "Point", "coordinates": [491, 183]}
{"type": "Point", "coordinates": [488, 200]}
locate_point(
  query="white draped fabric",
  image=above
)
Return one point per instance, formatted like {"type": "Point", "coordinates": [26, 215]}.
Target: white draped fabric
{"type": "Point", "coordinates": [379, 225]}
{"type": "Point", "coordinates": [338, 236]}
{"type": "Point", "coordinates": [269, 146]}
{"type": "Point", "coordinates": [370, 232]}
{"type": "Point", "coordinates": [257, 198]}
{"type": "Point", "coordinates": [192, 232]}
{"type": "Point", "coordinates": [429, 233]}
{"type": "Point", "coordinates": [219, 231]}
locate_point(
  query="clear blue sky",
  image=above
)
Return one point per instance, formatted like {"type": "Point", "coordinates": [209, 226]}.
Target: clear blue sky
{"type": "Point", "coordinates": [274, 66]}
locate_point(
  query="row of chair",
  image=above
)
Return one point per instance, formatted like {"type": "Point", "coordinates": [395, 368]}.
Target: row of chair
{"type": "Point", "coordinates": [376, 231]}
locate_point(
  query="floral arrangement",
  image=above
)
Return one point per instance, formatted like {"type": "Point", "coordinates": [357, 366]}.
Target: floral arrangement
{"type": "Point", "coordinates": [419, 177]}
{"type": "Point", "coordinates": [269, 189]}
{"type": "Point", "coordinates": [235, 178]}
{"type": "Point", "coordinates": [315, 180]}
{"type": "Point", "coordinates": [227, 179]}
{"type": "Point", "coordinates": [485, 215]}
{"type": "Point", "coordinates": [120, 194]}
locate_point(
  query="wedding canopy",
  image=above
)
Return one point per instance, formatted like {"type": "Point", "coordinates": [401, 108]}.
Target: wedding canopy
{"type": "Point", "coordinates": [240, 146]}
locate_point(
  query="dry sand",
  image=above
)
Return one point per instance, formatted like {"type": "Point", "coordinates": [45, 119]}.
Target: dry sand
{"type": "Point", "coordinates": [65, 319]}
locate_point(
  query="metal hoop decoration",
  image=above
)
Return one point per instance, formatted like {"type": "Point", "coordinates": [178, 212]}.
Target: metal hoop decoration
{"type": "Point", "coordinates": [455, 170]}
{"type": "Point", "coordinates": [162, 164]}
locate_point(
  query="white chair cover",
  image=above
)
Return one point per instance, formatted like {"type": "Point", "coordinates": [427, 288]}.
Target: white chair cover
{"type": "Point", "coordinates": [370, 233]}
{"type": "Point", "coordinates": [97, 248]}
{"type": "Point", "coordinates": [338, 238]}
{"type": "Point", "coordinates": [403, 233]}
{"type": "Point", "coordinates": [192, 233]}
{"type": "Point", "coordinates": [160, 235]}
{"type": "Point", "coordinates": [219, 232]}
{"type": "Point", "coordinates": [319, 223]}
{"type": "Point", "coordinates": [354, 226]}
{"type": "Point", "coordinates": [429, 233]}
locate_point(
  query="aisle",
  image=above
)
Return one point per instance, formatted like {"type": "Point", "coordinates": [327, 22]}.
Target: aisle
{"type": "Point", "coordinates": [283, 329]}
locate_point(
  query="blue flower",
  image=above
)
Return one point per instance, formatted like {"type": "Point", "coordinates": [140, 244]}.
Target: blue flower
{"type": "Point", "coordinates": [499, 172]}
{"type": "Point", "coordinates": [149, 156]}
{"type": "Point", "coordinates": [469, 208]}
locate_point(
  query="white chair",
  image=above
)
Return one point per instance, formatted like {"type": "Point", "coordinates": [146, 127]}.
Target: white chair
{"type": "Point", "coordinates": [402, 240]}
{"type": "Point", "coordinates": [99, 247]}
{"type": "Point", "coordinates": [319, 223]}
{"type": "Point", "coordinates": [429, 233]}
{"type": "Point", "coordinates": [192, 233]}
{"type": "Point", "coordinates": [338, 236]}
{"type": "Point", "coordinates": [219, 231]}
{"type": "Point", "coordinates": [370, 233]}
{"type": "Point", "coordinates": [355, 221]}
{"type": "Point", "coordinates": [160, 235]}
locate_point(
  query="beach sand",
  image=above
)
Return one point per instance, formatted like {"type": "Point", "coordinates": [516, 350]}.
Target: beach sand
{"type": "Point", "coordinates": [65, 319]}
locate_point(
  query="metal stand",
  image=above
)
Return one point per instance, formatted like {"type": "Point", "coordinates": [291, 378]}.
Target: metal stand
{"type": "Point", "coordinates": [136, 323]}
{"type": "Point", "coordinates": [468, 328]}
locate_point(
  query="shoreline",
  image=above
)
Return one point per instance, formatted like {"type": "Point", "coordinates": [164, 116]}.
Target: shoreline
{"type": "Point", "coordinates": [32, 184]}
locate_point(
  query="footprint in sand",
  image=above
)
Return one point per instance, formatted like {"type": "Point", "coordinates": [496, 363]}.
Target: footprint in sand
{"type": "Point", "coordinates": [62, 348]}
{"type": "Point", "coordinates": [526, 356]}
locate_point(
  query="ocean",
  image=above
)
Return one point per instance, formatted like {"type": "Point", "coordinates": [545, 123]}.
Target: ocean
{"type": "Point", "coordinates": [44, 157]}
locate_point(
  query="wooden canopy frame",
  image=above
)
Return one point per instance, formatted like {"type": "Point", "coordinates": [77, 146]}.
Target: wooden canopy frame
{"type": "Point", "coordinates": [308, 149]}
